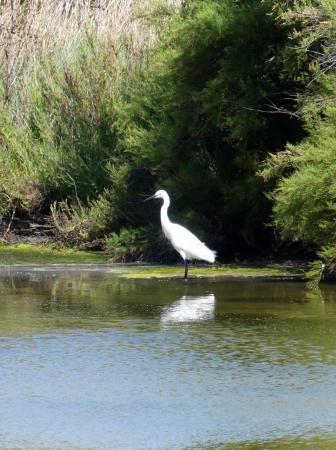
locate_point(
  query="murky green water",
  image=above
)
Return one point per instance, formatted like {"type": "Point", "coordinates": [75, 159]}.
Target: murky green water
{"type": "Point", "coordinates": [93, 361]}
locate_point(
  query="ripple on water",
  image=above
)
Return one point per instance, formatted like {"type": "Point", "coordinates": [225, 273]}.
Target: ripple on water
{"type": "Point", "coordinates": [98, 362]}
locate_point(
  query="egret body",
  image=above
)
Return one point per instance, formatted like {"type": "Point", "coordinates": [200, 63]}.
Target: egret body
{"type": "Point", "coordinates": [187, 244]}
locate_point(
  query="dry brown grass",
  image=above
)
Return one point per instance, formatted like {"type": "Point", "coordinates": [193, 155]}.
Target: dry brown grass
{"type": "Point", "coordinates": [30, 29]}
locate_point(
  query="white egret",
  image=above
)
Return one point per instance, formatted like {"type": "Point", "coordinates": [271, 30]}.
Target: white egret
{"type": "Point", "coordinates": [187, 244]}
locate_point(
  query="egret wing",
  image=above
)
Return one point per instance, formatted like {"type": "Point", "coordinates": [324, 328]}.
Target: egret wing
{"type": "Point", "coordinates": [183, 240]}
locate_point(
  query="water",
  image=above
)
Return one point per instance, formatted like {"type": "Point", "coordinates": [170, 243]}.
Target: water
{"type": "Point", "coordinates": [93, 361]}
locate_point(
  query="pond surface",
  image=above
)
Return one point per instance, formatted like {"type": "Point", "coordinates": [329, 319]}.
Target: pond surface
{"type": "Point", "coordinates": [90, 360]}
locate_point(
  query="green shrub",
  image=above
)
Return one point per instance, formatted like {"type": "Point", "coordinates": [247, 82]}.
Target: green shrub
{"type": "Point", "coordinates": [305, 196]}
{"type": "Point", "coordinates": [141, 244]}
{"type": "Point", "coordinates": [200, 122]}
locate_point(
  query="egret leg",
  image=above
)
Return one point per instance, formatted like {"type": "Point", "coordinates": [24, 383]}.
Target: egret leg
{"type": "Point", "coordinates": [185, 269]}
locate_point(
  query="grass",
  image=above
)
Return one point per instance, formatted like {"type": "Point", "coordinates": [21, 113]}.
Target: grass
{"type": "Point", "coordinates": [37, 27]}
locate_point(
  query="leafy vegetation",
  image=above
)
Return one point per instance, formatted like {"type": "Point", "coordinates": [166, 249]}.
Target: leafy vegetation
{"type": "Point", "coordinates": [304, 198]}
{"type": "Point", "coordinates": [196, 124]}
{"type": "Point", "coordinates": [230, 106]}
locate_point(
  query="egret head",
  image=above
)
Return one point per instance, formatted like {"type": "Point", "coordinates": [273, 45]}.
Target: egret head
{"type": "Point", "coordinates": [159, 194]}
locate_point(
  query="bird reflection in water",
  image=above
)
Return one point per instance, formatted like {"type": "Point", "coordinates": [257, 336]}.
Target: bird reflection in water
{"type": "Point", "coordinates": [190, 309]}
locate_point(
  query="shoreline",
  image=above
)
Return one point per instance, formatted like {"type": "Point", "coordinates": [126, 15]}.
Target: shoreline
{"type": "Point", "coordinates": [150, 271]}
{"type": "Point", "coordinates": [46, 258]}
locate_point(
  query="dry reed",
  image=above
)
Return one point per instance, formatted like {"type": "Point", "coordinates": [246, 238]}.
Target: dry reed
{"type": "Point", "coordinates": [31, 29]}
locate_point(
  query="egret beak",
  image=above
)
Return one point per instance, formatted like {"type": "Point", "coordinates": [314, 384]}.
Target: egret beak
{"type": "Point", "coordinates": [150, 198]}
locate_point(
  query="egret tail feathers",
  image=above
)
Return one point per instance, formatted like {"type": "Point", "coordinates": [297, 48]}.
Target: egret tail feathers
{"type": "Point", "coordinates": [210, 255]}
{"type": "Point", "coordinates": [202, 252]}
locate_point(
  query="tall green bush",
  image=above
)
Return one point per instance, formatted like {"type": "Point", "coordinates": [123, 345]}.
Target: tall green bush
{"type": "Point", "coordinates": [201, 119]}
{"type": "Point", "coordinates": [197, 114]}
{"type": "Point", "coordinates": [304, 208]}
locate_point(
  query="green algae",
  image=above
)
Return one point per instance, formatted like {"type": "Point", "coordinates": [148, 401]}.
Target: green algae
{"type": "Point", "coordinates": [231, 270]}
{"type": "Point", "coordinates": [27, 254]}
{"type": "Point", "coordinates": [35, 254]}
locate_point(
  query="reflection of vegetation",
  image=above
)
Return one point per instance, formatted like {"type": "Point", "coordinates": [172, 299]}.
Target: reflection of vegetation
{"type": "Point", "coordinates": [73, 300]}
{"type": "Point", "coordinates": [315, 295]}
{"type": "Point", "coordinates": [256, 322]}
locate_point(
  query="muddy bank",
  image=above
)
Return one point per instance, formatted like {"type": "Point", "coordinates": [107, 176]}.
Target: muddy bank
{"type": "Point", "coordinates": [29, 230]}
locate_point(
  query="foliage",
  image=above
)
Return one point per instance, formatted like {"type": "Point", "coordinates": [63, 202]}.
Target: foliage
{"type": "Point", "coordinates": [140, 244]}
{"type": "Point", "coordinates": [30, 31]}
{"type": "Point", "coordinates": [305, 196]}
{"type": "Point", "coordinates": [305, 201]}
{"type": "Point", "coordinates": [194, 99]}
{"type": "Point", "coordinates": [315, 274]}
{"type": "Point", "coordinates": [61, 66]}
{"type": "Point", "coordinates": [200, 122]}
